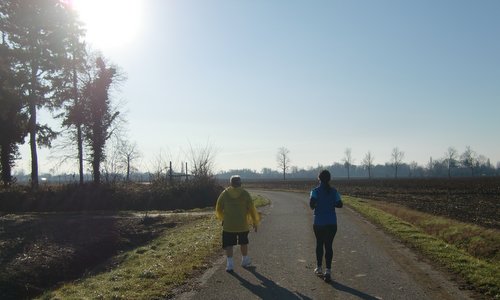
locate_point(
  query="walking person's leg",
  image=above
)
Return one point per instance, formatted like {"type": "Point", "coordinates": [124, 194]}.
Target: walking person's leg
{"type": "Point", "coordinates": [330, 232]}
{"type": "Point", "coordinates": [228, 241]}
{"type": "Point", "coordinates": [243, 241]}
{"type": "Point", "coordinates": [319, 233]}
{"type": "Point", "coordinates": [229, 258]}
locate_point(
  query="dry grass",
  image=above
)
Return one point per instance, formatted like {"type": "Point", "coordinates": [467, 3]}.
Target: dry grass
{"type": "Point", "coordinates": [478, 241]}
{"type": "Point", "coordinates": [480, 273]}
{"type": "Point", "coordinates": [154, 270]}
{"type": "Point", "coordinates": [151, 271]}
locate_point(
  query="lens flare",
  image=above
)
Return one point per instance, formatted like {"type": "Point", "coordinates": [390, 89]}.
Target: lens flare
{"type": "Point", "coordinates": [110, 23]}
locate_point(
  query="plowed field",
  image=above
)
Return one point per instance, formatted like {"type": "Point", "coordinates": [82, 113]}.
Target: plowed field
{"type": "Point", "coordinates": [472, 200]}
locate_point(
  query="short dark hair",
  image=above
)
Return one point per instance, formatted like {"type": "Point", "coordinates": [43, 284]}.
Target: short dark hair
{"type": "Point", "coordinates": [325, 176]}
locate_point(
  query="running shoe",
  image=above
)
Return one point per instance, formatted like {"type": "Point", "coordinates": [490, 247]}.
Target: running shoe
{"type": "Point", "coordinates": [229, 266]}
{"type": "Point", "coordinates": [246, 261]}
{"type": "Point", "coordinates": [327, 276]}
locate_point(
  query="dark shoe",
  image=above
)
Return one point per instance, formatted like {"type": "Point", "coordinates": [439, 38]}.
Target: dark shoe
{"type": "Point", "coordinates": [327, 276]}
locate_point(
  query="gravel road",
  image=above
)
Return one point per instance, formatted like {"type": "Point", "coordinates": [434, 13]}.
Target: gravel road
{"type": "Point", "coordinates": [367, 263]}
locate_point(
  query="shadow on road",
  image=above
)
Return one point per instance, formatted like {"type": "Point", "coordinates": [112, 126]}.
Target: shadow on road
{"type": "Point", "coordinates": [343, 288]}
{"type": "Point", "coordinates": [268, 288]}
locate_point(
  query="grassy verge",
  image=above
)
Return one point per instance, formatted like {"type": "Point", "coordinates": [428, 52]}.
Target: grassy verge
{"type": "Point", "coordinates": [154, 270]}
{"type": "Point", "coordinates": [259, 201]}
{"type": "Point", "coordinates": [420, 231]}
{"type": "Point", "coordinates": [151, 271]}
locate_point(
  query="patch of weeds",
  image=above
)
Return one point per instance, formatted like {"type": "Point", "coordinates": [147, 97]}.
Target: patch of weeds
{"type": "Point", "coordinates": [259, 201]}
{"type": "Point", "coordinates": [141, 250]}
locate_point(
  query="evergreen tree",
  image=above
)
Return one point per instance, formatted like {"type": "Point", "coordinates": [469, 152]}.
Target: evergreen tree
{"type": "Point", "coordinates": [38, 31]}
{"type": "Point", "coordinates": [12, 118]}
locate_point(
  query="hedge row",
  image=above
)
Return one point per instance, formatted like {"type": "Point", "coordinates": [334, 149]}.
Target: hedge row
{"type": "Point", "coordinates": [129, 196]}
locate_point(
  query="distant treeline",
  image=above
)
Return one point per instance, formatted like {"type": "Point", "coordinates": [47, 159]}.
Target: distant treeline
{"type": "Point", "coordinates": [436, 168]}
{"type": "Point", "coordinates": [339, 170]}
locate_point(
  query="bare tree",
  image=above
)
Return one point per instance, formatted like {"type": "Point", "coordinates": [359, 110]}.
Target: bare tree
{"type": "Point", "coordinates": [451, 159]}
{"type": "Point", "coordinates": [482, 162]}
{"type": "Point", "coordinates": [413, 168]}
{"type": "Point", "coordinates": [112, 165]}
{"type": "Point", "coordinates": [468, 159]}
{"type": "Point", "coordinates": [202, 161]}
{"type": "Point", "coordinates": [430, 166]}
{"type": "Point", "coordinates": [397, 160]}
{"type": "Point", "coordinates": [128, 153]}
{"type": "Point", "coordinates": [348, 161]}
{"type": "Point", "coordinates": [368, 163]}
{"type": "Point", "coordinates": [159, 166]}
{"type": "Point", "coordinates": [283, 160]}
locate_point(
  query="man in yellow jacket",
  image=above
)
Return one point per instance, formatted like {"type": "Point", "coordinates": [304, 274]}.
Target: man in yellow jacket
{"type": "Point", "coordinates": [237, 212]}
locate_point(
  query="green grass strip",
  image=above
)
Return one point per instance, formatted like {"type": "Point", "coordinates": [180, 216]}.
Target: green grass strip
{"type": "Point", "coordinates": [259, 201]}
{"type": "Point", "coordinates": [151, 271]}
{"type": "Point", "coordinates": [482, 275]}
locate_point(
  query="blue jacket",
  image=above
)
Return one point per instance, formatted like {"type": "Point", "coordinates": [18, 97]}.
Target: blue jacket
{"type": "Point", "coordinates": [324, 200]}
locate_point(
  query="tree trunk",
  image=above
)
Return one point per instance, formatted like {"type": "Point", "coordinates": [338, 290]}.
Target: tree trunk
{"type": "Point", "coordinates": [32, 123]}
{"type": "Point", "coordinates": [96, 159]}
{"type": "Point", "coordinates": [80, 151]}
{"type": "Point", "coordinates": [128, 168]}
{"type": "Point", "coordinates": [33, 148]}
{"type": "Point", "coordinates": [79, 138]}
{"type": "Point", "coordinates": [5, 163]}
{"type": "Point", "coordinates": [96, 171]}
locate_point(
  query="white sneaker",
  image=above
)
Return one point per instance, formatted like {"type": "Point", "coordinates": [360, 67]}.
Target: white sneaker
{"type": "Point", "coordinates": [318, 271]}
{"type": "Point", "coordinates": [229, 266]}
{"type": "Point", "coordinates": [246, 261]}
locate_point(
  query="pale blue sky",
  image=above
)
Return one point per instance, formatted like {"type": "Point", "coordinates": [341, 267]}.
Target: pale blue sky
{"type": "Point", "coordinates": [316, 77]}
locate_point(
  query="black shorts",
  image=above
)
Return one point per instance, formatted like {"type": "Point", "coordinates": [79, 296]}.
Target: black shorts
{"type": "Point", "coordinates": [234, 238]}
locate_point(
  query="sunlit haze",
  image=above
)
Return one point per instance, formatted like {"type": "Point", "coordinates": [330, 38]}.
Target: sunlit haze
{"type": "Point", "coordinates": [110, 23]}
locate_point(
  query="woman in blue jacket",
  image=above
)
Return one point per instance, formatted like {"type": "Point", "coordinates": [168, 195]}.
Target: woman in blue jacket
{"type": "Point", "coordinates": [324, 199]}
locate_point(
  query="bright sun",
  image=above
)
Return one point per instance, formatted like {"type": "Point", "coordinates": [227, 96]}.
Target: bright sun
{"type": "Point", "coordinates": [110, 24]}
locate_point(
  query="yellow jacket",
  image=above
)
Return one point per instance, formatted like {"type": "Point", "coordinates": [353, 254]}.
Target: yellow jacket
{"type": "Point", "coordinates": [236, 209]}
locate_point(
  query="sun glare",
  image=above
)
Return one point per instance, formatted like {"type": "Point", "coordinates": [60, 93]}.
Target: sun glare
{"type": "Point", "coordinates": [110, 24]}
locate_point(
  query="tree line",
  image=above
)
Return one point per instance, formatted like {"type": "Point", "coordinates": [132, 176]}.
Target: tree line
{"type": "Point", "coordinates": [45, 64]}
{"type": "Point", "coordinates": [452, 164]}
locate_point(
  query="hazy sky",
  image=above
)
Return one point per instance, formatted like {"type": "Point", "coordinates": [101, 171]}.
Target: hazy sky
{"type": "Point", "coordinates": [317, 77]}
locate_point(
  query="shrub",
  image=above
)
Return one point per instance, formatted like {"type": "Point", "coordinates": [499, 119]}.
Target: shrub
{"type": "Point", "coordinates": [196, 193]}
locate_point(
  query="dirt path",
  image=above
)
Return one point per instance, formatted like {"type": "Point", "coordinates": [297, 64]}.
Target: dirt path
{"type": "Point", "coordinates": [367, 263]}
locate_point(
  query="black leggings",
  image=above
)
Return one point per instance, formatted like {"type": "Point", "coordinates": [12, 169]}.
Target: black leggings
{"type": "Point", "coordinates": [324, 238]}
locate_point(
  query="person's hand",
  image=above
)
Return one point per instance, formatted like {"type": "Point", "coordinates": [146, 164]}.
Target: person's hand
{"type": "Point", "coordinates": [255, 228]}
